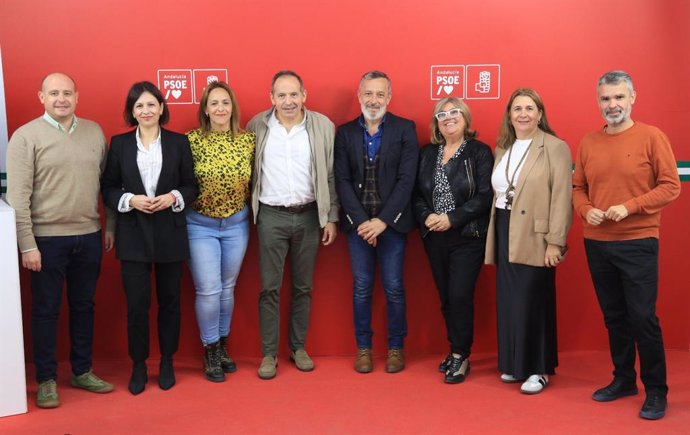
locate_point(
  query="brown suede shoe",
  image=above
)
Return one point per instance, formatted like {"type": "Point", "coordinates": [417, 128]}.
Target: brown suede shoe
{"type": "Point", "coordinates": [268, 367]}
{"type": "Point", "coordinates": [396, 361]}
{"type": "Point", "coordinates": [302, 361]}
{"type": "Point", "coordinates": [363, 362]}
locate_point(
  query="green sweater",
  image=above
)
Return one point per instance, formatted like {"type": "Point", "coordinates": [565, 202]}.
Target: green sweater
{"type": "Point", "coordinates": [53, 180]}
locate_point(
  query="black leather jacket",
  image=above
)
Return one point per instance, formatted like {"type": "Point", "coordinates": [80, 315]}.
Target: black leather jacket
{"type": "Point", "coordinates": [469, 177]}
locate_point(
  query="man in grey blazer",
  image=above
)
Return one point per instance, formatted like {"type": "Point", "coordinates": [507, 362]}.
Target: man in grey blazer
{"type": "Point", "coordinates": [295, 207]}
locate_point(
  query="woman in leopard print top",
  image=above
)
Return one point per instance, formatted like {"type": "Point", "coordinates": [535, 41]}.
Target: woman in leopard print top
{"type": "Point", "coordinates": [218, 222]}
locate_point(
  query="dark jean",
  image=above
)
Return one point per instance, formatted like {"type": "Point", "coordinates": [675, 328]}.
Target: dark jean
{"type": "Point", "coordinates": [625, 277]}
{"type": "Point", "coordinates": [390, 254]}
{"type": "Point", "coordinates": [77, 260]}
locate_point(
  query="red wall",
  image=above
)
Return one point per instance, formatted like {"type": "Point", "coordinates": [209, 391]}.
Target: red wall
{"type": "Point", "coordinates": [559, 48]}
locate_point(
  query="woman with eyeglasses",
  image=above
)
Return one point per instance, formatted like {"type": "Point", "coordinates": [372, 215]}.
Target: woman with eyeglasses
{"type": "Point", "coordinates": [530, 219]}
{"type": "Point", "coordinates": [149, 180]}
{"type": "Point", "coordinates": [451, 203]}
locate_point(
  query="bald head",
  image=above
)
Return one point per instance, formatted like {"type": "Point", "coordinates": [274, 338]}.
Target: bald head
{"type": "Point", "coordinates": [59, 96]}
{"type": "Point", "coordinates": [57, 75]}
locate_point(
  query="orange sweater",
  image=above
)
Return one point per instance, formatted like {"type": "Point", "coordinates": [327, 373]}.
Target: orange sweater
{"type": "Point", "coordinates": [635, 168]}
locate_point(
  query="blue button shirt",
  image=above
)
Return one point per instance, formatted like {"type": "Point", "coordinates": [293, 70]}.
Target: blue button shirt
{"type": "Point", "coordinates": [372, 143]}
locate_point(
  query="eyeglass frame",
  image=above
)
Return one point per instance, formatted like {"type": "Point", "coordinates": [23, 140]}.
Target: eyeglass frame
{"type": "Point", "coordinates": [440, 116]}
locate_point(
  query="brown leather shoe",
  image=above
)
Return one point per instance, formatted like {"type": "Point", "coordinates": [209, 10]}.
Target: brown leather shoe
{"type": "Point", "coordinates": [363, 362]}
{"type": "Point", "coordinates": [396, 361]}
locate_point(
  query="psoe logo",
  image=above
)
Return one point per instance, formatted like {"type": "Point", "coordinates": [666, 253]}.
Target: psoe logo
{"type": "Point", "coordinates": [447, 81]}
{"type": "Point", "coordinates": [483, 82]}
{"type": "Point", "coordinates": [176, 85]}
{"type": "Point", "coordinates": [204, 77]}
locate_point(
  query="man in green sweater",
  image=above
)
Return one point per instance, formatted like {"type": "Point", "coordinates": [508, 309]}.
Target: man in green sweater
{"type": "Point", "coordinates": [54, 165]}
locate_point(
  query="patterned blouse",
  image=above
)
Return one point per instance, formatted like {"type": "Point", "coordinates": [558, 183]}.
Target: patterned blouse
{"type": "Point", "coordinates": [442, 196]}
{"type": "Point", "coordinates": [223, 168]}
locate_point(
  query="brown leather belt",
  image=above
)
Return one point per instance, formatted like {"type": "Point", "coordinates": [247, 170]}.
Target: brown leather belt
{"type": "Point", "coordinates": [294, 209]}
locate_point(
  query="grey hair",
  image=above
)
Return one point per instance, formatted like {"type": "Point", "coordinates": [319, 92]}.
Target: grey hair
{"type": "Point", "coordinates": [615, 77]}
{"type": "Point", "coordinates": [376, 74]}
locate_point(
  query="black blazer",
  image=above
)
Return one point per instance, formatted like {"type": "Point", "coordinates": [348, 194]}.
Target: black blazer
{"type": "Point", "coordinates": [469, 177]}
{"type": "Point", "coordinates": [160, 237]}
{"type": "Point", "coordinates": [396, 173]}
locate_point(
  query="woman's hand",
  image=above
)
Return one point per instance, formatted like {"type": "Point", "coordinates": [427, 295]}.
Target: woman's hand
{"type": "Point", "coordinates": [552, 256]}
{"type": "Point", "coordinates": [141, 203]}
{"type": "Point", "coordinates": [161, 202]}
{"type": "Point", "coordinates": [151, 205]}
{"type": "Point", "coordinates": [437, 222]}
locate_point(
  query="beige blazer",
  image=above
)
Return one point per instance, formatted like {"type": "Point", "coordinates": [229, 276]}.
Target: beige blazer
{"type": "Point", "coordinates": [321, 133]}
{"type": "Point", "coordinates": [542, 211]}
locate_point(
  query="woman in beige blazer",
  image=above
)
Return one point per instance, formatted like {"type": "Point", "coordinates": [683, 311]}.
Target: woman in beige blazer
{"type": "Point", "coordinates": [532, 181]}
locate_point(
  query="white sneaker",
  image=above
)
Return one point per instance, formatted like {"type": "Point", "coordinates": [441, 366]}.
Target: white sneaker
{"type": "Point", "coordinates": [509, 379]}
{"type": "Point", "coordinates": [534, 384]}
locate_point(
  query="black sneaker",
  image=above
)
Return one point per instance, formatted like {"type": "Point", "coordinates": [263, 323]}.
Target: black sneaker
{"type": "Point", "coordinates": [654, 406]}
{"type": "Point", "coordinates": [458, 370]}
{"type": "Point", "coordinates": [445, 363]}
{"type": "Point", "coordinates": [618, 388]}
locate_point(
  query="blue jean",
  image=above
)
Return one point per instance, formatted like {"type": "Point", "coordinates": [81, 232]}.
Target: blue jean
{"type": "Point", "coordinates": [217, 247]}
{"type": "Point", "coordinates": [77, 260]}
{"type": "Point", "coordinates": [390, 254]}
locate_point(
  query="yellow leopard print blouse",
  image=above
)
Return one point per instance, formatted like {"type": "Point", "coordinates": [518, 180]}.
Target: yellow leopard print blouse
{"type": "Point", "coordinates": [223, 168]}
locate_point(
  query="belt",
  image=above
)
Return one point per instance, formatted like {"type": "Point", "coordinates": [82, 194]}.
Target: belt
{"type": "Point", "coordinates": [294, 209]}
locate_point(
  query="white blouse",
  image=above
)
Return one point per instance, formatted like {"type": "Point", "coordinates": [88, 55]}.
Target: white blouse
{"type": "Point", "coordinates": [498, 178]}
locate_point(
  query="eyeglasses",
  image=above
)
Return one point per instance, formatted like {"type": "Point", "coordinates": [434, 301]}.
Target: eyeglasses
{"type": "Point", "coordinates": [452, 113]}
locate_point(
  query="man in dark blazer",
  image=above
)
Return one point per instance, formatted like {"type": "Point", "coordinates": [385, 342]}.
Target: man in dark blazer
{"type": "Point", "coordinates": [375, 166]}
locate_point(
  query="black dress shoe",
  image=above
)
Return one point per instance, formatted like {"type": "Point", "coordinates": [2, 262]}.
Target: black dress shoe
{"type": "Point", "coordinates": [654, 406]}
{"type": "Point", "coordinates": [137, 382]}
{"type": "Point", "coordinates": [615, 390]}
{"type": "Point", "coordinates": [166, 376]}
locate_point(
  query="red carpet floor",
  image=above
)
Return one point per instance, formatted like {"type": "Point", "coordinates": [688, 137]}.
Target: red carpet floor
{"type": "Point", "coordinates": [334, 399]}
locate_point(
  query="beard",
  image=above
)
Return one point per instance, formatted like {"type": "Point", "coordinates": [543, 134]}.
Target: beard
{"type": "Point", "coordinates": [375, 116]}
{"type": "Point", "coordinates": [617, 117]}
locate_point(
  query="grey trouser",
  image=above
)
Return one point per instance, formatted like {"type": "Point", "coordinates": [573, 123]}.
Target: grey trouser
{"type": "Point", "coordinates": [281, 232]}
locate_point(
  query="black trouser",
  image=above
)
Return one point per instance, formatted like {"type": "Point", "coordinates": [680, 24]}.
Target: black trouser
{"type": "Point", "coordinates": [455, 263]}
{"type": "Point", "coordinates": [136, 277]}
{"type": "Point", "coordinates": [625, 277]}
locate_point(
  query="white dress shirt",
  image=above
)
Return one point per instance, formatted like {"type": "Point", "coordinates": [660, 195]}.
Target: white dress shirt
{"type": "Point", "coordinates": [286, 177]}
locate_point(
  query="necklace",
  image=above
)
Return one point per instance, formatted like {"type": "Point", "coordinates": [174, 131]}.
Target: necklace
{"type": "Point", "coordinates": [456, 153]}
{"type": "Point", "coordinates": [510, 192]}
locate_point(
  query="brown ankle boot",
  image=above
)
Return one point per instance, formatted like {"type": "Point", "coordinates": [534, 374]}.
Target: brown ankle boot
{"type": "Point", "coordinates": [363, 362]}
{"type": "Point", "coordinates": [395, 361]}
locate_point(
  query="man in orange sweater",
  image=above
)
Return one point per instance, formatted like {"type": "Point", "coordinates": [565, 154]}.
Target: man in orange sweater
{"type": "Point", "coordinates": [624, 175]}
